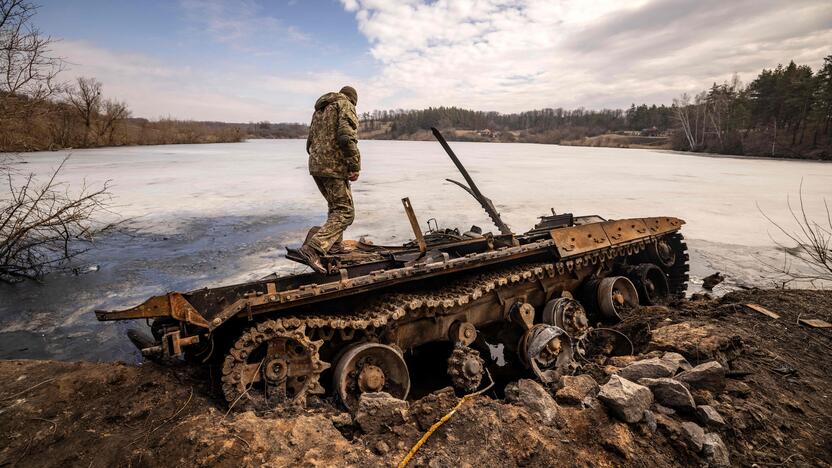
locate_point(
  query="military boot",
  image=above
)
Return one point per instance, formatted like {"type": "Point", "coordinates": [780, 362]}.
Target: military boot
{"type": "Point", "coordinates": [337, 248]}
{"type": "Point", "coordinates": [313, 259]}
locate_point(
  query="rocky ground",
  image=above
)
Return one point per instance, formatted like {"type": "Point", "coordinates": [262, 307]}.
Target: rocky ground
{"type": "Point", "coordinates": [706, 382]}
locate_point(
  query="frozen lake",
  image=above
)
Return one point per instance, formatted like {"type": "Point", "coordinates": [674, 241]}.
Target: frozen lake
{"type": "Point", "coordinates": [206, 215]}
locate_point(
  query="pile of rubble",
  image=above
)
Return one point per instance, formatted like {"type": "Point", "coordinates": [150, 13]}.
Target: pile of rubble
{"type": "Point", "coordinates": [667, 392]}
{"type": "Point", "coordinates": [660, 391]}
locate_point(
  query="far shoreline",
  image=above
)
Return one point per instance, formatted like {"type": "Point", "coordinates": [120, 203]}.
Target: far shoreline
{"type": "Point", "coordinates": [637, 147]}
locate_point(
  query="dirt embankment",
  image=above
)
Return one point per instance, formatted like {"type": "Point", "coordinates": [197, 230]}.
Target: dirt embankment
{"type": "Point", "coordinates": [774, 400]}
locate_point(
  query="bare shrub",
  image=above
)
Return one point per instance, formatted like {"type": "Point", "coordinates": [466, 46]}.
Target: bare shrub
{"type": "Point", "coordinates": [44, 225]}
{"type": "Point", "coordinates": [809, 259]}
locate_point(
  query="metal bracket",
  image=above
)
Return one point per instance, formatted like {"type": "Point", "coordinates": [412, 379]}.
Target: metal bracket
{"type": "Point", "coordinates": [414, 224]}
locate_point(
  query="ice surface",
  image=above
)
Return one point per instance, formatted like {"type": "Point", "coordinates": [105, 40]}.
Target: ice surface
{"type": "Point", "coordinates": [206, 215]}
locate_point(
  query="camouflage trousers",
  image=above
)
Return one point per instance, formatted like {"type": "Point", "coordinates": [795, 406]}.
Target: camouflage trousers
{"type": "Point", "coordinates": [340, 215]}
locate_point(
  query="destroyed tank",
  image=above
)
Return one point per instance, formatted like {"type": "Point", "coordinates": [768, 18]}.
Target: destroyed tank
{"type": "Point", "coordinates": [358, 328]}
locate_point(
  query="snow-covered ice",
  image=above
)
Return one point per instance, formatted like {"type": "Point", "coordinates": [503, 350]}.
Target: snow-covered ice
{"type": "Point", "coordinates": [206, 215]}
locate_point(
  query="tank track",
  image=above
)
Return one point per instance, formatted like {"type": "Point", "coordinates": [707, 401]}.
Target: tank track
{"type": "Point", "coordinates": [387, 308]}
{"type": "Point", "coordinates": [678, 274]}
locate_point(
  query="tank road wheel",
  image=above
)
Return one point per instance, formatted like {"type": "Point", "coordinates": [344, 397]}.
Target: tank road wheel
{"type": "Point", "coordinates": [662, 252]}
{"type": "Point", "coordinates": [466, 367]}
{"type": "Point", "coordinates": [271, 365]}
{"type": "Point", "coordinates": [547, 349]}
{"type": "Point", "coordinates": [651, 283]}
{"type": "Point", "coordinates": [616, 297]}
{"type": "Point", "coordinates": [370, 367]}
{"type": "Point", "coordinates": [568, 314]}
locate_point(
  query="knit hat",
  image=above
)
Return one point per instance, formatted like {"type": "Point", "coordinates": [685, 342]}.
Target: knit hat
{"type": "Point", "coordinates": [350, 92]}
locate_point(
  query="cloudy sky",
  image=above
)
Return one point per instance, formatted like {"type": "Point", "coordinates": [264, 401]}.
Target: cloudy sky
{"type": "Point", "coordinates": [249, 60]}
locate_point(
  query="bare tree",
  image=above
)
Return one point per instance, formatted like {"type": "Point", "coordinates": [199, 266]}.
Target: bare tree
{"type": "Point", "coordinates": [114, 113]}
{"type": "Point", "coordinates": [693, 118]}
{"type": "Point", "coordinates": [86, 100]}
{"type": "Point", "coordinates": [682, 107]}
{"type": "Point", "coordinates": [812, 247]}
{"type": "Point", "coordinates": [28, 70]}
{"type": "Point", "coordinates": [45, 225]}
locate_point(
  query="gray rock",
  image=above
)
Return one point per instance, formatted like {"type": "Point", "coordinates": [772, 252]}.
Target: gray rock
{"type": "Point", "coordinates": [715, 450]}
{"type": "Point", "coordinates": [669, 392]}
{"type": "Point", "coordinates": [650, 420]}
{"type": "Point", "coordinates": [652, 368]}
{"type": "Point", "coordinates": [534, 398]}
{"type": "Point", "coordinates": [709, 416]}
{"type": "Point", "coordinates": [590, 402]}
{"type": "Point", "coordinates": [710, 281]}
{"type": "Point", "coordinates": [576, 389]}
{"type": "Point", "coordinates": [664, 409]}
{"type": "Point", "coordinates": [707, 376]}
{"type": "Point", "coordinates": [377, 412]}
{"type": "Point", "coordinates": [694, 435]}
{"type": "Point", "coordinates": [627, 400]}
{"type": "Point", "coordinates": [678, 360]}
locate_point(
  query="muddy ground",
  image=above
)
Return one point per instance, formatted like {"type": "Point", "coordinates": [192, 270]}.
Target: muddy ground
{"type": "Point", "coordinates": [776, 405]}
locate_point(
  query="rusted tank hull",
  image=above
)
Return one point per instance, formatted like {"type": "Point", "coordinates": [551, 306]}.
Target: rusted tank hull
{"type": "Point", "coordinates": [566, 248]}
{"type": "Point", "coordinates": [274, 339]}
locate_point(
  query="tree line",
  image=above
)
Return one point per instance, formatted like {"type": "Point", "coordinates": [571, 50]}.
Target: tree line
{"type": "Point", "coordinates": [542, 125]}
{"type": "Point", "coordinates": [634, 118]}
{"type": "Point", "coordinates": [783, 112]}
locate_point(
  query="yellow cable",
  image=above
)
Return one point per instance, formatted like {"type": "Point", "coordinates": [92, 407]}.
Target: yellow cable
{"type": "Point", "coordinates": [442, 420]}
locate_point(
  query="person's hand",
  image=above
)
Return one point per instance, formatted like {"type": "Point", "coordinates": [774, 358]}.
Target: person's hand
{"type": "Point", "coordinates": [352, 176]}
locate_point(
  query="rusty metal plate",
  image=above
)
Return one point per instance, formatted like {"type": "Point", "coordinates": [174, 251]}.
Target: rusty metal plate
{"type": "Point", "coordinates": [662, 225]}
{"type": "Point", "coordinates": [168, 305]}
{"type": "Point", "coordinates": [181, 309]}
{"type": "Point", "coordinates": [577, 240]}
{"type": "Point", "coordinates": [156, 306]}
{"type": "Point", "coordinates": [625, 230]}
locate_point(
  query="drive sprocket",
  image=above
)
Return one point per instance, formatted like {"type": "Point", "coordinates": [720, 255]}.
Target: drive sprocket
{"type": "Point", "coordinates": [466, 368]}
{"type": "Point", "coordinates": [272, 364]}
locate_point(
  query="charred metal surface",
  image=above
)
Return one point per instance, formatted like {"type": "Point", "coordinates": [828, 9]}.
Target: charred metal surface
{"type": "Point", "coordinates": [625, 230]}
{"type": "Point", "coordinates": [172, 304]}
{"type": "Point", "coordinates": [577, 240]}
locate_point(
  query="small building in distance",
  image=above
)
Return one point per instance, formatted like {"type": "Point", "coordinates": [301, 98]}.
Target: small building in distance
{"type": "Point", "coordinates": [652, 131]}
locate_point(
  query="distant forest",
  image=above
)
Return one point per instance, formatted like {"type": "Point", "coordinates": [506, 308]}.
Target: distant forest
{"type": "Point", "coordinates": [783, 112]}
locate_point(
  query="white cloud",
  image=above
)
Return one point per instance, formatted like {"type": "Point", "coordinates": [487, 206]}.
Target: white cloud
{"type": "Point", "coordinates": [241, 24]}
{"type": "Point", "coordinates": [517, 55]}
{"type": "Point", "coordinates": [154, 89]}
{"type": "Point", "coordinates": [499, 55]}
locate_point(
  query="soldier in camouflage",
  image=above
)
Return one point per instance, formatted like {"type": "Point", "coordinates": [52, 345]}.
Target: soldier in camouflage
{"type": "Point", "coordinates": [334, 162]}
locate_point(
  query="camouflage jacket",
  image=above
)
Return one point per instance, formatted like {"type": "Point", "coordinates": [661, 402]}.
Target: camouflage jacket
{"type": "Point", "coordinates": [333, 137]}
